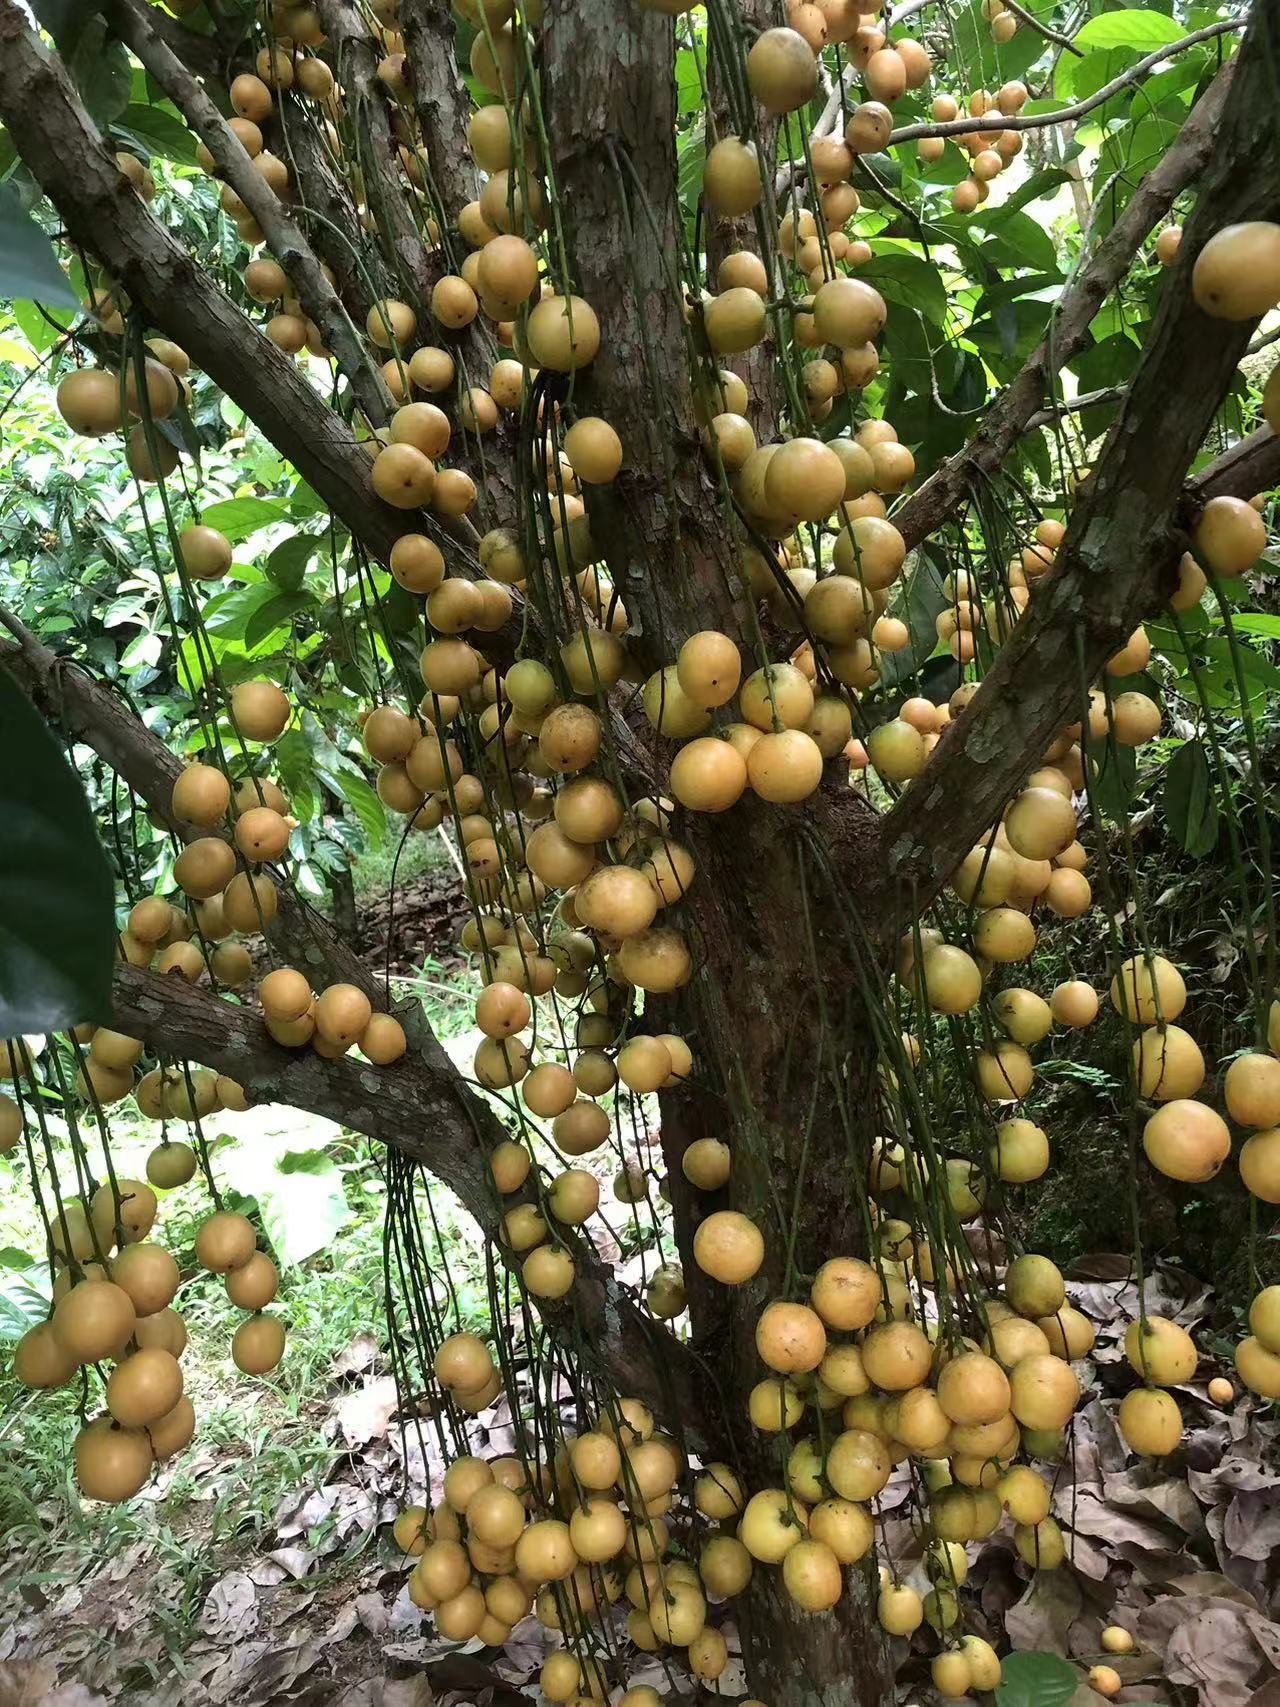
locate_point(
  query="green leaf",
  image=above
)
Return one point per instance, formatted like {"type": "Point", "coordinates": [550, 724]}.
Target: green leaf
{"type": "Point", "coordinates": [23, 1303]}
{"type": "Point", "coordinates": [1018, 239]}
{"type": "Point", "coordinates": [298, 1192]}
{"type": "Point", "coordinates": [29, 267]}
{"type": "Point", "coordinates": [160, 130]}
{"type": "Point", "coordinates": [691, 160]}
{"type": "Point", "coordinates": [1190, 802]}
{"type": "Point", "coordinates": [366, 805]}
{"type": "Point", "coordinates": [288, 561]}
{"type": "Point", "coordinates": [12, 1257]}
{"type": "Point", "coordinates": [1113, 777]}
{"type": "Point", "coordinates": [1134, 27]}
{"type": "Point", "coordinates": [1038, 185]}
{"type": "Point", "coordinates": [239, 517]}
{"type": "Point", "coordinates": [297, 773]}
{"type": "Point", "coordinates": [100, 68]}
{"type": "Point", "coordinates": [1254, 622]}
{"type": "Point", "coordinates": [909, 280]}
{"type": "Point", "coordinates": [1035, 1680]}
{"type": "Point", "coordinates": [1077, 79]}
{"type": "Point", "coordinates": [65, 20]}
{"type": "Point", "coordinates": [57, 897]}
{"type": "Point", "coordinates": [276, 612]}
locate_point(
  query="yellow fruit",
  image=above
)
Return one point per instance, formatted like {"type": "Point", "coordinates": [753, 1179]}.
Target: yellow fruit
{"type": "Point", "coordinates": [1187, 1140]}
{"type": "Point", "coordinates": [1150, 1422]}
{"type": "Point", "coordinates": [258, 1345]}
{"type": "Point", "coordinates": [1259, 1368]}
{"type": "Point", "coordinates": [1160, 1352]}
{"type": "Point", "coordinates": [771, 1526]}
{"type": "Point", "coordinates": [144, 1388]}
{"type": "Point", "coordinates": [111, 1463]}
{"type": "Point", "coordinates": [1236, 275]}
{"type": "Point", "coordinates": [1148, 991]}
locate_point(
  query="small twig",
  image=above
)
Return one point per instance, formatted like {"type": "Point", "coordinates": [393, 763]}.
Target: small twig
{"type": "Point", "coordinates": [1032, 22]}
{"type": "Point", "coordinates": [1075, 405]}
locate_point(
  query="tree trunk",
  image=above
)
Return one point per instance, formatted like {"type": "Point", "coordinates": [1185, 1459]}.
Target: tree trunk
{"type": "Point", "coordinates": [342, 895]}
{"type": "Point", "coordinates": [794, 1659]}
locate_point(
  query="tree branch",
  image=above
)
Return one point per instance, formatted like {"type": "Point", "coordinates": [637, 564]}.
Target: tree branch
{"type": "Point", "coordinates": [355, 60]}
{"type": "Point", "coordinates": [1125, 533]}
{"type": "Point", "coordinates": [1038, 121]}
{"type": "Point", "coordinates": [609, 93]}
{"type": "Point", "coordinates": [1042, 29]}
{"type": "Point", "coordinates": [422, 1107]}
{"type": "Point", "coordinates": [285, 240]}
{"type": "Point", "coordinates": [1007, 417]}
{"type": "Point", "coordinates": [1075, 405]}
{"type": "Point", "coordinates": [1250, 466]}
{"type": "Point", "coordinates": [440, 97]}
{"type": "Point", "coordinates": [102, 212]}
{"type": "Point", "coordinates": [336, 234]}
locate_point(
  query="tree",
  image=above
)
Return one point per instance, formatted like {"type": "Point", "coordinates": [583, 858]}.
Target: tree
{"type": "Point", "coordinates": [667, 485]}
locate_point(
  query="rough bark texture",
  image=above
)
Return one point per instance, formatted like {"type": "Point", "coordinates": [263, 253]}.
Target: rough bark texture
{"type": "Point", "coordinates": [336, 234]}
{"type": "Point", "coordinates": [1006, 419]}
{"type": "Point", "coordinates": [1250, 467]}
{"type": "Point", "coordinates": [355, 64]}
{"type": "Point", "coordinates": [1127, 530]}
{"type": "Point", "coordinates": [610, 100]}
{"type": "Point", "coordinates": [423, 1108]}
{"type": "Point", "coordinates": [442, 105]}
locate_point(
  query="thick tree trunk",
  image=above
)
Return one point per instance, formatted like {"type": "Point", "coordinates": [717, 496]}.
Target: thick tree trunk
{"type": "Point", "coordinates": [794, 1659]}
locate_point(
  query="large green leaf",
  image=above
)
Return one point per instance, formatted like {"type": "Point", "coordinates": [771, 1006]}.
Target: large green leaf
{"type": "Point", "coordinates": [160, 130]}
{"type": "Point", "coordinates": [364, 802]}
{"type": "Point", "coordinates": [1190, 802]}
{"type": "Point", "coordinates": [909, 280]}
{"type": "Point", "coordinates": [65, 20]}
{"type": "Point", "coordinates": [275, 615]}
{"type": "Point", "coordinates": [239, 517]}
{"type": "Point", "coordinates": [1036, 1680]}
{"type": "Point", "coordinates": [100, 67]}
{"type": "Point", "coordinates": [297, 772]}
{"type": "Point", "coordinates": [1016, 239]}
{"type": "Point", "coordinates": [288, 561]}
{"type": "Point", "coordinates": [57, 897]}
{"type": "Point", "coordinates": [29, 267]}
{"type": "Point", "coordinates": [1114, 778]}
{"type": "Point", "coordinates": [1133, 27]}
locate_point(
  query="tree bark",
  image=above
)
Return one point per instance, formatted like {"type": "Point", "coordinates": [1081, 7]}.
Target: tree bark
{"type": "Point", "coordinates": [284, 239]}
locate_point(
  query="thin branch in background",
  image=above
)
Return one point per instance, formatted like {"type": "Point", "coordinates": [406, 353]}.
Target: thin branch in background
{"type": "Point", "coordinates": [1034, 23]}
{"type": "Point", "coordinates": [1038, 121]}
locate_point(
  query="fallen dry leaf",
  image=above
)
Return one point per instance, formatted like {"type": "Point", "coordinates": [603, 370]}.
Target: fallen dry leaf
{"type": "Point", "coordinates": [231, 1608]}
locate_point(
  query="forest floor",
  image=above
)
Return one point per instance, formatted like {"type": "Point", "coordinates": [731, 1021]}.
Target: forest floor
{"type": "Point", "coordinates": [259, 1567]}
